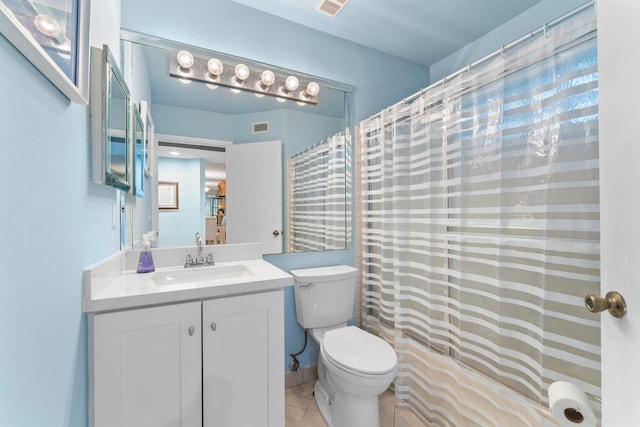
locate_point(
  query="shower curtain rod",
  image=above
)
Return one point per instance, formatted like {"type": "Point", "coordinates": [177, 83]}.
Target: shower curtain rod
{"type": "Point", "coordinates": [501, 51]}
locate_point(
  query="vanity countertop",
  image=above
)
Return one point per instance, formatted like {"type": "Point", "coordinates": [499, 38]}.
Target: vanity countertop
{"type": "Point", "coordinates": [109, 286]}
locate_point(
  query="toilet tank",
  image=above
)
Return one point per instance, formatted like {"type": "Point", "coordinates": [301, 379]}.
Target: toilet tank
{"type": "Point", "coordinates": [324, 296]}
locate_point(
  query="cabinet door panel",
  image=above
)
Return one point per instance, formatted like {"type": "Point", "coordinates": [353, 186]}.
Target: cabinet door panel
{"type": "Point", "coordinates": [243, 350]}
{"type": "Point", "coordinates": [147, 367]}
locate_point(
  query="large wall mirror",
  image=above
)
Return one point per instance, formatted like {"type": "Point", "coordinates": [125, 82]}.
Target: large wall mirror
{"type": "Point", "coordinates": [209, 128]}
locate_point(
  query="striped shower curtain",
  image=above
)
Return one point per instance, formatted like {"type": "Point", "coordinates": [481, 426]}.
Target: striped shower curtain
{"type": "Point", "coordinates": [319, 196]}
{"type": "Point", "coordinates": [479, 233]}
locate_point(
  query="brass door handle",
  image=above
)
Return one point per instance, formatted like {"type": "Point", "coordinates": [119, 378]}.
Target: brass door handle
{"type": "Point", "coordinates": [613, 302]}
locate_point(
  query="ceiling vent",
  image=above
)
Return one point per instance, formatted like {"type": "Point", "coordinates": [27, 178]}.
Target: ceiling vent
{"type": "Point", "coordinates": [331, 7]}
{"type": "Point", "coordinates": [260, 127]}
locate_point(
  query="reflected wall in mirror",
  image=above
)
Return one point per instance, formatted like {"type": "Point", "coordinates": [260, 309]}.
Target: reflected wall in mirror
{"type": "Point", "coordinates": [192, 110]}
{"type": "Point", "coordinates": [110, 104]}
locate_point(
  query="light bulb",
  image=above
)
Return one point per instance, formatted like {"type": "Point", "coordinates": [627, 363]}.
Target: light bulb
{"type": "Point", "coordinates": [267, 77]}
{"type": "Point", "coordinates": [242, 72]}
{"type": "Point", "coordinates": [313, 89]}
{"type": "Point", "coordinates": [215, 66]}
{"type": "Point", "coordinates": [47, 25]}
{"type": "Point", "coordinates": [211, 86]}
{"type": "Point", "coordinates": [185, 59]}
{"type": "Point", "coordinates": [291, 83]}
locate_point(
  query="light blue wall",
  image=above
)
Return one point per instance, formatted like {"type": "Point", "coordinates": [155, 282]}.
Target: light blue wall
{"type": "Point", "coordinates": [243, 126]}
{"type": "Point", "coordinates": [179, 227]}
{"type": "Point", "coordinates": [54, 222]}
{"type": "Point", "coordinates": [296, 129]}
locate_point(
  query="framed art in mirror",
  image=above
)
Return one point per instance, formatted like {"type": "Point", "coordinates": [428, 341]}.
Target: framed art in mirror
{"type": "Point", "coordinates": [168, 196]}
{"type": "Point", "coordinates": [54, 36]}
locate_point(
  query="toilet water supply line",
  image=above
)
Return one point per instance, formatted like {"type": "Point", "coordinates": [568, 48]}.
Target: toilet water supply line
{"type": "Point", "coordinates": [295, 364]}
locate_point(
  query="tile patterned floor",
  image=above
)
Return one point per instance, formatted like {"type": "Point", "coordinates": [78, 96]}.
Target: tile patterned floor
{"type": "Point", "coordinates": [301, 410]}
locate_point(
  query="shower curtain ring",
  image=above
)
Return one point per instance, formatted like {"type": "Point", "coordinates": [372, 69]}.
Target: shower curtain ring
{"type": "Point", "coordinates": [503, 51]}
{"type": "Point", "coordinates": [444, 81]}
{"type": "Point", "coordinates": [544, 30]}
{"type": "Point", "coordinates": [469, 69]}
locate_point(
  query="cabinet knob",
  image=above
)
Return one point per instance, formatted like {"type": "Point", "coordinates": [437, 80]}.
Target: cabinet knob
{"type": "Point", "coordinates": [214, 326]}
{"type": "Point", "coordinates": [192, 330]}
{"type": "Point", "coordinates": [276, 233]}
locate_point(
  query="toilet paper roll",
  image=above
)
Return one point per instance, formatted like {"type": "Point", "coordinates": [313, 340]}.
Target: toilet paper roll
{"type": "Point", "coordinates": [570, 406]}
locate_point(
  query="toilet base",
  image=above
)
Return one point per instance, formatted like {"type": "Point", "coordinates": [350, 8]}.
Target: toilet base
{"type": "Point", "coordinates": [323, 402]}
{"type": "Point", "coordinates": [346, 412]}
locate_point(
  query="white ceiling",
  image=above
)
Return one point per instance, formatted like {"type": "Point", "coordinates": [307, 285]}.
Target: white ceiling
{"type": "Point", "coordinates": [422, 31]}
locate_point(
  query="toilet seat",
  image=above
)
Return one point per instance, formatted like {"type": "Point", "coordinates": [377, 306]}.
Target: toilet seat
{"type": "Point", "coordinates": [358, 351]}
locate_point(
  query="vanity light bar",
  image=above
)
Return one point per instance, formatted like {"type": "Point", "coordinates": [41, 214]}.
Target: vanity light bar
{"type": "Point", "coordinates": [240, 76]}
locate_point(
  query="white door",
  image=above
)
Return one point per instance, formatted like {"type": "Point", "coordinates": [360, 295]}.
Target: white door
{"type": "Point", "coordinates": [242, 354]}
{"type": "Point", "coordinates": [254, 195]}
{"type": "Point", "coordinates": [147, 367]}
{"type": "Point", "coordinates": [618, 65]}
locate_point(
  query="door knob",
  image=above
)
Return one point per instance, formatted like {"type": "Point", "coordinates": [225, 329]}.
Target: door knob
{"type": "Point", "coordinates": [613, 302]}
{"type": "Point", "coordinates": [276, 233]}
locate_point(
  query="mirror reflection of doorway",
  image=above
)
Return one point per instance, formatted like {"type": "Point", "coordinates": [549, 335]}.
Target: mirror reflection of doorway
{"type": "Point", "coordinates": [199, 166]}
{"type": "Point", "coordinates": [242, 180]}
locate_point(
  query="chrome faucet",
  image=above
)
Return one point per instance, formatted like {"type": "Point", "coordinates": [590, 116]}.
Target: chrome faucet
{"type": "Point", "coordinates": [199, 260]}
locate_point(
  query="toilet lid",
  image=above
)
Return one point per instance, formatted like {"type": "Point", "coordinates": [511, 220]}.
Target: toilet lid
{"type": "Point", "coordinates": [357, 350]}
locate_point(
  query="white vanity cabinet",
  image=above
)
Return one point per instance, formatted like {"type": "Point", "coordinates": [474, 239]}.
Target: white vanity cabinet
{"type": "Point", "coordinates": [243, 354]}
{"type": "Point", "coordinates": [212, 363]}
{"type": "Point", "coordinates": [146, 368]}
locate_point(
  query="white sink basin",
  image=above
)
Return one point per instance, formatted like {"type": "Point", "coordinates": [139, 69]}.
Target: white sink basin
{"type": "Point", "coordinates": [202, 274]}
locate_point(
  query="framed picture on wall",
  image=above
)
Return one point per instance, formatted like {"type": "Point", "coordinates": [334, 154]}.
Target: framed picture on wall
{"type": "Point", "coordinates": [54, 36]}
{"type": "Point", "coordinates": [168, 195]}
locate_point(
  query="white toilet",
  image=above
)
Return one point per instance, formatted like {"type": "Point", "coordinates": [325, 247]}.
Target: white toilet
{"type": "Point", "coordinates": [354, 366]}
